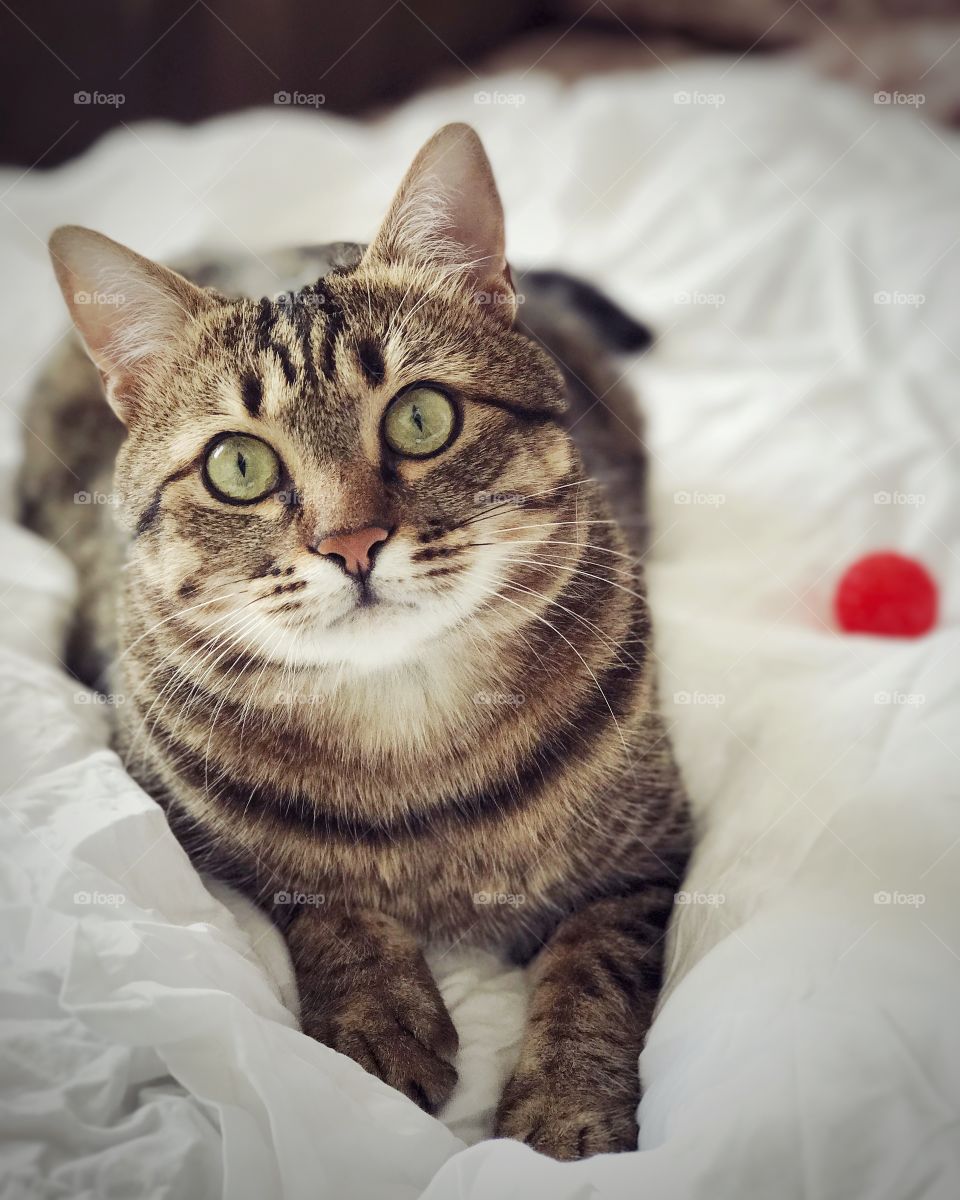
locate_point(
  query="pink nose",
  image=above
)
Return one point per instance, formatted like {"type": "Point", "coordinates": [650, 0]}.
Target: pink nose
{"type": "Point", "coordinates": [354, 549]}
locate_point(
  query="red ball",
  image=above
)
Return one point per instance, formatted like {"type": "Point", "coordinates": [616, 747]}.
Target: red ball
{"type": "Point", "coordinates": [886, 594]}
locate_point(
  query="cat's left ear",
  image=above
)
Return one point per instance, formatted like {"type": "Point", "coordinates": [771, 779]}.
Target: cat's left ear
{"type": "Point", "coordinates": [129, 310]}
{"type": "Point", "coordinates": [447, 214]}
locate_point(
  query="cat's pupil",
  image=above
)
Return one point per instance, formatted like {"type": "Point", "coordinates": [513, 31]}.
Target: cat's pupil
{"type": "Point", "coordinates": [242, 465]}
{"type": "Point", "coordinates": [417, 417]}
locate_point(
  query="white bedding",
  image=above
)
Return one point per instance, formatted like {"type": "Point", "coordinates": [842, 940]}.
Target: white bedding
{"type": "Point", "coordinates": [810, 1043]}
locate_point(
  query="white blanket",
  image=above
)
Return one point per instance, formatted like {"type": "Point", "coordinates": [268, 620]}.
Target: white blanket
{"type": "Point", "coordinates": [797, 248]}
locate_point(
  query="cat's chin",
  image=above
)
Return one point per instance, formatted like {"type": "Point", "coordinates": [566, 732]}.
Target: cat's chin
{"type": "Point", "coordinates": [370, 637]}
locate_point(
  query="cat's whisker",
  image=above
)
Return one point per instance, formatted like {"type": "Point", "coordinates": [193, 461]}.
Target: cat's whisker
{"type": "Point", "coordinates": [228, 691]}
{"type": "Point", "coordinates": [184, 708]}
{"type": "Point", "coordinates": [148, 727]}
{"type": "Point", "coordinates": [564, 564]}
{"type": "Point", "coordinates": [517, 499]}
{"type": "Point", "coordinates": [636, 564]}
{"type": "Point", "coordinates": [181, 677]}
{"type": "Point", "coordinates": [208, 633]}
{"type": "Point", "coordinates": [389, 335]}
{"type": "Point", "coordinates": [428, 293]}
{"type": "Point", "coordinates": [538, 617]}
{"type": "Point", "coordinates": [576, 571]}
{"type": "Point", "coordinates": [173, 617]}
{"type": "Point", "coordinates": [611, 643]}
{"type": "Point", "coordinates": [561, 487]}
{"type": "Point", "coordinates": [248, 703]}
{"type": "Point", "coordinates": [224, 642]}
{"type": "Point", "coordinates": [519, 504]}
{"type": "Point", "coordinates": [559, 524]}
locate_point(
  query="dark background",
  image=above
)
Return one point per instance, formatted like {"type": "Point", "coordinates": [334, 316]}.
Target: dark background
{"type": "Point", "coordinates": [189, 59]}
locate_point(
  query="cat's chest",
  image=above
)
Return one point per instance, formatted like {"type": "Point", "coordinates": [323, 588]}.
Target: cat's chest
{"type": "Point", "coordinates": [479, 886]}
{"type": "Point", "coordinates": [473, 837]}
{"type": "Point", "coordinates": [450, 862]}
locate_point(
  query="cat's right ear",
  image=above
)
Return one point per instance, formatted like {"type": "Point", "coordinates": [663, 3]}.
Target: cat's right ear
{"type": "Point", "coordinates": [447, 215]}
{"type": "Point", "coordinates": [129, 311]}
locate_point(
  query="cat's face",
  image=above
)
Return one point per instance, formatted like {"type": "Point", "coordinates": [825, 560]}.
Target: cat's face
{"type": "Point", "coordinates": [343, 476]}
{"type": "Point", "coordinates": [350, 481]}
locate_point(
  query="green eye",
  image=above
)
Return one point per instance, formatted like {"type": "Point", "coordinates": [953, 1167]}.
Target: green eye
{"type": "Point", "coordinates": [420, 422]}
{"type": "Point", "coordinates": [242, 469]}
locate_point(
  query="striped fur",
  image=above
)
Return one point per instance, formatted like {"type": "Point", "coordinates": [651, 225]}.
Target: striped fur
{"type": "Point", "coordinates": [476, 759]}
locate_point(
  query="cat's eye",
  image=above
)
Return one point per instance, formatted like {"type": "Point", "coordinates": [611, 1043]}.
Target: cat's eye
{"type": "Point", "coordinates": [242, 469]}
{"type": "Point", "coordinates": [420, 422]}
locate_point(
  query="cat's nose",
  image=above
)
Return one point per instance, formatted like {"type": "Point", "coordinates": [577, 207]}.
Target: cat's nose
{"type": "Point", "coordinates": [354, 551]}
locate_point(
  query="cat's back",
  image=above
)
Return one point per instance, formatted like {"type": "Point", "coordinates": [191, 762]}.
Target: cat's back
{"type": "Point", "coordinates": [65, 488]}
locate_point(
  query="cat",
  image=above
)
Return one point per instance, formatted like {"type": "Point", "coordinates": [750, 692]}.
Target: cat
{"type": "Point", "coordinates": [385, 654]}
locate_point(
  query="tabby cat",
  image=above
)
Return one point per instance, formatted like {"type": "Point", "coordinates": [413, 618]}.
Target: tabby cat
{"type": "Point", "coordinates": [384, 651]}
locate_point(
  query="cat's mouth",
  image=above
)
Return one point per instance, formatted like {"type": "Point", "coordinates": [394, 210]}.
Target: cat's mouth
{"type": "Point", "coordinates": [366, 628]}
{"type": "Point", "coordinates": [369, 604]}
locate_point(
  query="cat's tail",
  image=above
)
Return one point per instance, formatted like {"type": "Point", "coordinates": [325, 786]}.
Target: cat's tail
{"type": "Point", "coordinates": [617, 329]}
{"type": "Point", "coordinates": [583, 330]}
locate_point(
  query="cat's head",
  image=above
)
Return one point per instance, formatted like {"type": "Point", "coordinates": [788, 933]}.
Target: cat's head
{"type": "Point", "coordinates": [347, 474]}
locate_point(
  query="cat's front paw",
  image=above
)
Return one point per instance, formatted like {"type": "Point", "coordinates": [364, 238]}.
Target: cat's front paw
{"type": "Point", "coordinates": [399, 1030]}
{"type": "Point", "coordinates": [561, 1114]}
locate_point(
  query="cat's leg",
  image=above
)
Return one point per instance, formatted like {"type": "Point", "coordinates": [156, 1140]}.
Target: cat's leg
{"type": "Point", "coordinates": [576, 1086]}
{"type": "Point", "coordinates": [366, 990]}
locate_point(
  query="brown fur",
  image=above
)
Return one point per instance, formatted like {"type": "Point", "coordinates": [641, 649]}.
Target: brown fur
{"type": "Point", "coordinates": [506, 782]}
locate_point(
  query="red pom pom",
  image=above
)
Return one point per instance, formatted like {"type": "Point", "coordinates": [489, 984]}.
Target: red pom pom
{"type": "Point", "coordinates": [886, 594]}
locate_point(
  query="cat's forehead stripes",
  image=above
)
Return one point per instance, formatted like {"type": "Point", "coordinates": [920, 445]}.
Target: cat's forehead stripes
{"type": "Point", "coordinates": [267, 341]}
{"type": "Point", "coordinates": [331, 329]}
{"type": "Point", "coordinates": [252, 390]}
{"type": "Point", "coordinates": [370, 357]}
{"type": "Point", "coordinates": [298, 331]}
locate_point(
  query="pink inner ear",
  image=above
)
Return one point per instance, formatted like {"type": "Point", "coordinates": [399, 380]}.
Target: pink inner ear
{"type": "Point", "coordinates": [127, 309]}
{"type": "Point", "coordinates": [448, 211]}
